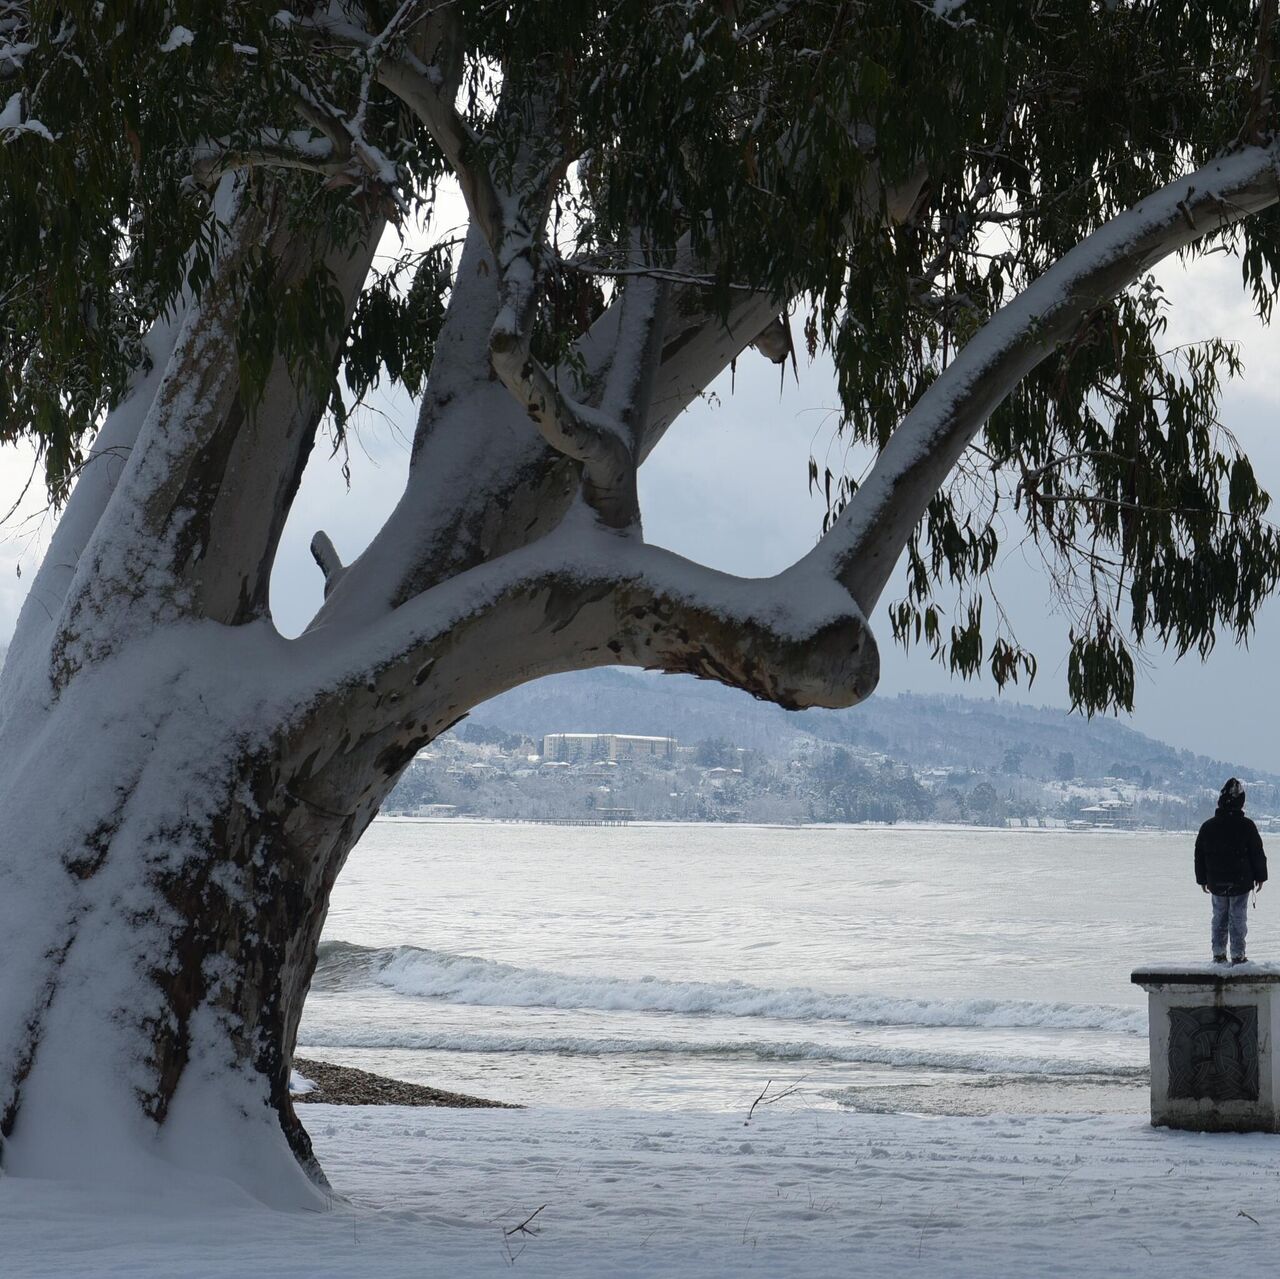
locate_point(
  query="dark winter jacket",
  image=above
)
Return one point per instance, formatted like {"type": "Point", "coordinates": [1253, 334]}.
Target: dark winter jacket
{"type": "Point", "coordinates": [1229, 856]}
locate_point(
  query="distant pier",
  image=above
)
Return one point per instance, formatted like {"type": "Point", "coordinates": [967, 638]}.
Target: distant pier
{"type": "Point", "coordinates": [601, 817]}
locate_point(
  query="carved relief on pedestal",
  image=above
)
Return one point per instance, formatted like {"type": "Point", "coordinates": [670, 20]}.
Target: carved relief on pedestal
{"type": "Point", "coordinates": [1213, 1052]}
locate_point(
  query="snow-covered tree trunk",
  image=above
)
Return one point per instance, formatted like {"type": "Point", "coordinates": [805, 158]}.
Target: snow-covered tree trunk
{"type": "Point", "coordinates": [159, 937]}
{"type": "Point", "coordinates": [160, 910]}
{"type": "Point", "coordinates": [180, 785]}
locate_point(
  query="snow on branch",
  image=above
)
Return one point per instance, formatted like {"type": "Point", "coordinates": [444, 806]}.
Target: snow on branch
{"type": "Point", "coordinates": [511, 217]}
{"type": "Point", "coordinates": [590, 436]}
{"type": "Point", "coordinates": [340, 152]}
{"type": "Point", "coordinates": [863, 545]}
{"type": "Point", "coordinates": [637, 351]}
{"type": "Point", "coordinates": [587, 596]}
{"type": "Point", "coordinates": [516, 489]}
{"type": "Point", "coordinates": [15, 121]}
{"type": "Point", "coordinates": [394, 58]}
{"type": "Point", "coordinates": [272, 148]}
{"type": "Point", "coordinates": [602, 439]}
{"type": "Point", "coordinates": [98, 476]}
{"type": "Point", "coordinates": [755, 29]}
{"type": "Point", "coordinates": [570, 427]}
{"type": "Point", "coordinates": [364, 162]}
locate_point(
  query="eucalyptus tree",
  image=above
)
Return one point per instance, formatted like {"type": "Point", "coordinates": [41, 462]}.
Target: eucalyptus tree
{"type": "Point", "coordinates": [221, 229]}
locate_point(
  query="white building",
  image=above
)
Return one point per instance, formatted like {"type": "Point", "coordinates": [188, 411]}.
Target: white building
{"type": "Point", "coordinates": [578, 747]}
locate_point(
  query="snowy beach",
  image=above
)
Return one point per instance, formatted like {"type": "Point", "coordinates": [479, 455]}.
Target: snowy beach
{"type": "Point", "coordinates": [626, 1193]}
{"type": "Point", "coordinates": [945, 1018]}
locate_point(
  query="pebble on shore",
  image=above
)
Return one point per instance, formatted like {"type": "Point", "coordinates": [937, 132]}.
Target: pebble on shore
{"type": "Point", "coordinates": [346, 1086]}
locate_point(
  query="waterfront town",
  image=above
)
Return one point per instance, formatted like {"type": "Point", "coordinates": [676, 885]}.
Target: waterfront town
{"type": "Point", "coordinates": [607, 778]}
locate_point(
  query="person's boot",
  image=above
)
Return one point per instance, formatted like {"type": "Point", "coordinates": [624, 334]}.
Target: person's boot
{"type": "Point", "coordinates": [1220, 959]}
{"type": "Point", "coordinates": [1239, 959]}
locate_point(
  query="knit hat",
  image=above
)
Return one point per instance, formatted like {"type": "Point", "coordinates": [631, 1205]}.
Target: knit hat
{"type": "Point", "coordinates": [1232, 795]}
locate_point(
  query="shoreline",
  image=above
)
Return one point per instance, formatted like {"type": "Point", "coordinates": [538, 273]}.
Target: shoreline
{"type": "Point", "coordinates": [646, 824]}
{"type": "Point", "coordinates": [953, 1095]}
{"type": "Point", "coordinates": [346, 1086]}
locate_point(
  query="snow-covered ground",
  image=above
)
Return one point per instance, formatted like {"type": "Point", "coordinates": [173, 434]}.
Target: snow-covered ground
{"type": "Point", "coordinates": [797, 1192]}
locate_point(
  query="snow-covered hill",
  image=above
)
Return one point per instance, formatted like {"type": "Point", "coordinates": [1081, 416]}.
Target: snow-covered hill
{"type": "Point", "coordinates": [925, 731]}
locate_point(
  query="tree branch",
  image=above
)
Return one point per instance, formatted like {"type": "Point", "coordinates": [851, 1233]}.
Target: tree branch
{"type": "Point", "coordinates": [586, 596]}
{"type": "Point", "coordinates": [642, 321]}
{"type": "Point", "coordinates": [98, 477]}
{"type": "Point", "coordinates": [701, 342]}
{"type": "Point", "coordinates": [477, 473]}
{"type": "Point", "coordinates": [428, 89]}
{"type": "Point", "coordinates": [589, 436]}
{"type": "Point", "coordinates": [481, 484]}
{"type": "Point", "coordinates": [364, 163]}
{"type": "Point", "coordinates": [863, 545]}
{"type": "Point", "coordinates": [273, 149]}
{"type": "Point", "coordinates": [341, 151]}
{"type": "Point", "coordinates": [194, 521]}
{"type": "Point", "coordinates": [327, 560]}
{"type": "Point", "coordinates": [754, 30]}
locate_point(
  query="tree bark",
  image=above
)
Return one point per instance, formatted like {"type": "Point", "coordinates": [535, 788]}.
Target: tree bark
{"type": "Point", "coordinates": [159, 921]}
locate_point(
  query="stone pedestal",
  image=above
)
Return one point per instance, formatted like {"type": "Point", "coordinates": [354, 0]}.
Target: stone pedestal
{"type": "Point", "coordinates": [1213, 1068]}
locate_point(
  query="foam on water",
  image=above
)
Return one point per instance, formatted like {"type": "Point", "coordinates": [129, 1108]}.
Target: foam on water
{"type": "Point", "coordinates": [688, 966]}
{"type": "Point", "coordinates": [866, 1052]}
{"type": "Point", "coordinates": [464, 979]}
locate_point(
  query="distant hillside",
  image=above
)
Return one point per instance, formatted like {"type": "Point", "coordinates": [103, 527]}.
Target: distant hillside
{"type": "Point", "coordinates": [925, 731]}
{"type": "Point", "coordinates": [613, 701]}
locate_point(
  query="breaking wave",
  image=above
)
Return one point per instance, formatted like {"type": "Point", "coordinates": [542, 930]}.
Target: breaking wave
{"type": "Point", "coordinates": [464, 979]}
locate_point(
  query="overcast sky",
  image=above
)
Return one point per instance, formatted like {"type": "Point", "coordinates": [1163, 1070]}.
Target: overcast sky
{"type": "Point", "coordinates": [728, 486]}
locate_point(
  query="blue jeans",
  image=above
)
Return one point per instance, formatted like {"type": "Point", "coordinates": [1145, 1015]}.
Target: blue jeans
{"type": "Point", "coordinates": [1230, 915]}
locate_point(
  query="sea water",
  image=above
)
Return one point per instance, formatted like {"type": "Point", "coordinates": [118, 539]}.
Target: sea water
{"type": "Point", "coordinates": [669, 966]}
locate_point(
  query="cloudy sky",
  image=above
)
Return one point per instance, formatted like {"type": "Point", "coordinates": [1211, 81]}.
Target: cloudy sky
{"type": "Point", "coordinates": [729, 487]}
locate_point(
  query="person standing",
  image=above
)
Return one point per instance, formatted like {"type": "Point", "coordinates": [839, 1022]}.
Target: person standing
{"type": "Point", "coordinates": [1229, 862]}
